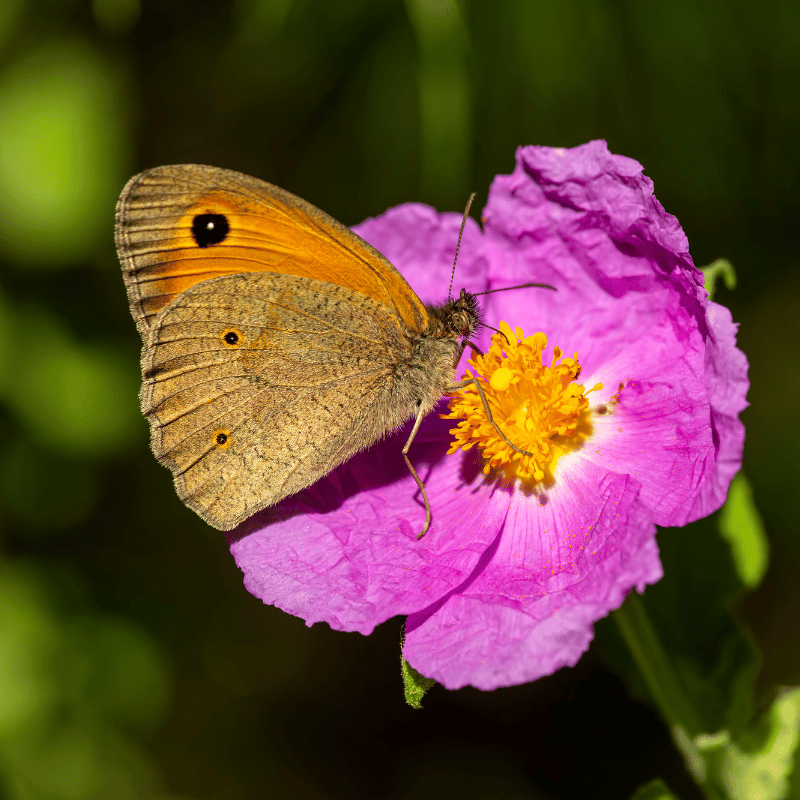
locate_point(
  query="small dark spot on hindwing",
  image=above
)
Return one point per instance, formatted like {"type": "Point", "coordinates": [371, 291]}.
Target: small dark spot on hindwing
{"type": "Point", "coordinates": [222, 438]}
{"type": "Point", "coordinates": [231, 337]}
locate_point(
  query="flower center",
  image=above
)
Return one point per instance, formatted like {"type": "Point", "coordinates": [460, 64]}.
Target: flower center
{"type": "Point", "coordinates": [539, 408]}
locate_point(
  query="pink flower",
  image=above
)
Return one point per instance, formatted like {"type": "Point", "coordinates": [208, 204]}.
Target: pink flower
{"type": "Point", "coordinates": [508, 582]}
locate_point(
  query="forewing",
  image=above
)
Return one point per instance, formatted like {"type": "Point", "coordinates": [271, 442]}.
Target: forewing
{"type": "Point", "coordinates": [164, 250]}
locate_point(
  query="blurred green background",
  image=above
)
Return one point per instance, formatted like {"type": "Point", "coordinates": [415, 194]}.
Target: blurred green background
{"type": "Point", "coordinates": [133, 663]}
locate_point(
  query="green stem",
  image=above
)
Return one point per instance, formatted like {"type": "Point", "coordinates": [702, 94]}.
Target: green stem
{"type": "Point", "coordinates": [654, 667]}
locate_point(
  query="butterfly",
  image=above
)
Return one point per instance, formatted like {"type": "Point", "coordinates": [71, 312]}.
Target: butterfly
{"type": "Point", "coordinates": [276, 342]}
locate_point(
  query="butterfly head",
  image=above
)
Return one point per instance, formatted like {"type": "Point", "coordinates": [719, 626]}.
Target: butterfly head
{"type": "Point", "coordinates": [457, 318]}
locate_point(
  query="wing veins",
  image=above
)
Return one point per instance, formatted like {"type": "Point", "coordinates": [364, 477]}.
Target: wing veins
{"type": "Point", "coordinates": [216, 419]}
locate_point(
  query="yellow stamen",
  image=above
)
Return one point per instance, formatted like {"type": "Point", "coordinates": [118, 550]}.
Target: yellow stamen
{"type": "Point", "coordinates": [539, 408]}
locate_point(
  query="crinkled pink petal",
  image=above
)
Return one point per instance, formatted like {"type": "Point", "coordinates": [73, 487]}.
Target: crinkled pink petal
{"type": "Point", "coordinates": [608, 192]}
{"type": "Point", "coordinates": [596, 235]}
{"type": "Point", "coordinates": [557, 568]}
{"type": "Point", "coordinates": [659, 431]}
{"type": "Point", "coordinates": [345, 551]}
{"type": "Point", "coordinates": [726, 376]}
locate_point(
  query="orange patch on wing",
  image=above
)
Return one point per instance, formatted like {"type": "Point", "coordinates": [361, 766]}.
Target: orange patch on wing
{"type": "Point", "coordinates": [278, 238]}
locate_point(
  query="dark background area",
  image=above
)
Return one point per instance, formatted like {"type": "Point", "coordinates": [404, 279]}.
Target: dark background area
{"type": "Point", "coordinates": [135, 662]}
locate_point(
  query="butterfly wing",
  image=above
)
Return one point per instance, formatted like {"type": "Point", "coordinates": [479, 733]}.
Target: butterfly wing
{"type": "Point", "coordinates": [180, 225]}
{"type": "Point", "coordinates": [256, 385]}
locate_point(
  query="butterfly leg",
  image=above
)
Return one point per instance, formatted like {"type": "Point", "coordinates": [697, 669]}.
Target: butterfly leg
{"type": "Point", "coordinates": [476, 383]}
{"type": "Point", "coordinates": [414, 475]}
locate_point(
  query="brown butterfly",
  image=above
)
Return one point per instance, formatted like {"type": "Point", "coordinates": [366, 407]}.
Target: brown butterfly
{"type": "Point", "coordinates": [277, 343]}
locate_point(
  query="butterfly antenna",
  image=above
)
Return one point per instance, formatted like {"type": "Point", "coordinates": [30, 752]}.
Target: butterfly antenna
{"type": "Point", "coordinates": [486, 325]}
{"type": "Point", "coordinates": [496, 330]}
{"type": "Point", "coordinates": [458, 246]}
{"type": "Point", "coordinates": [521, 286]}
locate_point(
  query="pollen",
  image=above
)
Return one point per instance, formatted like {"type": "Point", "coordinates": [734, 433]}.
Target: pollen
{"type": "Point", "coordinates": [539, 408]}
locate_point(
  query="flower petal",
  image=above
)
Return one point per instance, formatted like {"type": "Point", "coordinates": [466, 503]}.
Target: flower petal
{"type": "Point", "coordinates": [659, 429]}
{"type": "Point", "coordinates": [556, 568]}
{"type": "Point", "coordinates": [587, 222]}
{"type": "Point", "coordinates": [345, 551]}
{"type": "Point", "coordinates": [726, 376]}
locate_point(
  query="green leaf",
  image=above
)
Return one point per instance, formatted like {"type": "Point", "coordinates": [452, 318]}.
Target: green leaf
{"type": "Point", "coordinates": [761, 761]}
{"type": "Point", "coordinates": [720, 268]}
{"type": "Point", "coordinates": [655, 790]}
{"type": "Point", "coordinates": [793, 792]}
{"type": "Point", "coordinates": [756, 764]}
{"type": "Point", "coordinates": [414, 684]}
{"type": "Point", "coordinates": [740, 523]}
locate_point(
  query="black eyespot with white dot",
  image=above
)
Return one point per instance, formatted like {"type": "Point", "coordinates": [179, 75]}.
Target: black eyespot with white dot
{"type": "Point", "coordinates": [209, 229]}
{"type": "Point", "coordinates": [222, 438]}
{"type": "Point", "coordinates": [231, 337]}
